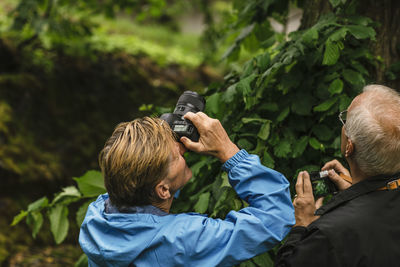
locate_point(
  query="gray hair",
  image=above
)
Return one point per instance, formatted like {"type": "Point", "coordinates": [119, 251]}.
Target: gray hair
{"type": "Point", "coordinates": [373, 124]}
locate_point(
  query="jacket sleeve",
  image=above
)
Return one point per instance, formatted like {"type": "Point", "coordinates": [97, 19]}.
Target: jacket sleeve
{"type": "Point", "coordinates": [307, 247]}
{"type": "Point", "coordinates": [252, 230]}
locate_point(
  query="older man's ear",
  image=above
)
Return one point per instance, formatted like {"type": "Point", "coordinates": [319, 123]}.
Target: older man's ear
{"type": "Point", "coordinates": [349, 148]}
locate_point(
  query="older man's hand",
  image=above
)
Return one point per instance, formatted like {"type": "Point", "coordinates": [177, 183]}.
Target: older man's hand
{"type": "Point", "coordinates": [304, 203]}
{"type": "Point", "coordinates": [334, 168]}
{"type": "Point", "coordinates": [213, 138]}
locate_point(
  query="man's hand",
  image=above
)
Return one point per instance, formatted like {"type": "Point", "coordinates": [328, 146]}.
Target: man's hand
{"type": "Point", "coordinates": [334, 167]}
{"type": "Point", "coordinates": [304, 203]}
{"type": "Point", "coordinates": [213, 138]}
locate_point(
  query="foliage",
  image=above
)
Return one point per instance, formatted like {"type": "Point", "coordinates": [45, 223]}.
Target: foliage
{"type": "Point", "coordinates": [90, 185]}
{"type": "Point", "coordinates": [282, 106]}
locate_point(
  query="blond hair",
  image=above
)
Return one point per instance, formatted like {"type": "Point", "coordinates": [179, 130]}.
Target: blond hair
{"type": "Point", "coordinates": [374, 127]}
{"type": "Point", "coordinates": [135, 159]}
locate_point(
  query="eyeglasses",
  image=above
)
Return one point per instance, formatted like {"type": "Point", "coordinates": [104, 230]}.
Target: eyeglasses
{"type": "Point", "coordinates": [343, 116]}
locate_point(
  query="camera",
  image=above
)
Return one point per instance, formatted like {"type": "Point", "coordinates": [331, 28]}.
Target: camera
{"type": "Point", "coordinates": [188, 101]}
{"type": "Point", "coordinates": [321, 184]}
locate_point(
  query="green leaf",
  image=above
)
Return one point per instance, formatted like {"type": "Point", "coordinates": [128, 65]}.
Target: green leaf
{"type": "Point", "coordinates": [331, 54]}
{"type": "Point", "coordinates": [310, 35]}
{"type": "Point", "coordinates": [256, 120]}
{"type": "Point", "coordinates": [81, 213]}
{"type": "Point", "coordinates": [229, 94]}
{"type": "Point", "coordinates": [338, 35]}
{"type": "Point", "coordinates": [344, 102]}
{"type": "Point", "coordinates": [299, 146]}
{"type": "Point", "coordinates": [264, 260]}
{"type": "Point", "coordinates": [69, 193]}
{"type": "Point", "coordinates": [245, 144]}
{"type": "Point", "coordinates": [22, 214]}
{"type": "Point", "coordinates": [283, 114]}
{"type": "Point", "coordinates": [282, 149]}
{"type": "Point", "coordinates": [59, 224]}
{"type": "Point", "coordinates": [267, 160]}
{"type": "Point", "coordinates": [213, 104]}
{"type": "Point", "coordinates": [263, 61]}
{"type": "Point", "coordinates": [38, 204]}
{"type": "Point", "coordinates": [35, 221]}
{"type": "Point", "coordinates": [244, 85]}
{"type": "Point", "coordinates": [353, 77]}
{"type": "Point", "coordinates": [251, 43]}
{"type": "Point", "coordinates": [264, 131]}
{"type": "Point", "coordinates": [324, 106]}
{"type": "Point", "coordinates": [322, 132]}
{"type": "Point", "coordinates": [362, 32]}
{"type": "Point", "coordinates": [202, 204]}
{"type": "Point", "coordinates": [91, 184]}
{"type": "Point", "coordinates": [304, 106]}
{"type": "Point", "coordinates": [82, 261]}
{"type": "Point", "coordinates": [336, 87]}
{"type": "Point", "coordinates": [314, 143]}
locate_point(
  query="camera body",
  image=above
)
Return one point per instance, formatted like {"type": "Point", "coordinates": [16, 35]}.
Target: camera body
{"type": "Point", "coordinates": [189, 101]}
{"type": "Point", "coordinates": [321, 184]}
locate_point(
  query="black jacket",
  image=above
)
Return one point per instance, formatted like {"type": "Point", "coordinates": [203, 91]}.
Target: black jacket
{"type": "Point", "coordinates": [358, 227]}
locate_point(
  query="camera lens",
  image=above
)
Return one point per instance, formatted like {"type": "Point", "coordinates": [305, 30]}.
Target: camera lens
{"type": "Point", "coordinates": [189, 101]}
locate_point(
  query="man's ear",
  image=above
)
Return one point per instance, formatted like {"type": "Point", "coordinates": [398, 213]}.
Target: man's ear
{"type": "Point", "coordinates": [349, 148]}
{"type": "Point", "coordinates": [162, 190]}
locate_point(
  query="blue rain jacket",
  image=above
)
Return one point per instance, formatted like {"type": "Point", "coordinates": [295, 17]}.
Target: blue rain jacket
{"type": "Point", "coordinates": [191, 239]}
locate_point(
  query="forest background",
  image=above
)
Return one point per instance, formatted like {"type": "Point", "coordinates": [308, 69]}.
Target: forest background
{"type": "Point", "coordinates": [275, 72]}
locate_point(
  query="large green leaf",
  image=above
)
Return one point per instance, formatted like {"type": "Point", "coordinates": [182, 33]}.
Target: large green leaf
{"type": "Point", "coordinates": [22, 214]}
{"type": "Point", "coordinates": [82, 261]}
{"type": "Point", "coordinates": [299, 146]}
{"type": "Point", "coordinates": [202, 204]}
{"type": "Point", "coordinates": [331, 54]}
{"type": "Point", "coordinates": [59, 224]}
{"type": "Point", "coordinates": [336, 87]}
{"type": "Point", "coordinates": [35, 221]}
{"type": "Point", "coordinates": [316, 144]}
{"type": "Point", "coordinates": [353, 77]}
{"type": "Point", "coordinates": [68, 194]}
{"type": "Point", "coordinates": [282, 149]}
{"type": "Point", "coordinates": [310, 35]}
{"type": "Point", "coordinates": [327, 104]}
{"type": "Point", "coordinates": [80, 214]}
{"type": "Point", "coordinates": [38, 204]}
{"type": "Point", "coordinates": [264, 260]}
{"type": "Point", "coordinates": [362, 32]}
{"type": "Point", "coordinates": [91, 184]}
{"type": "Point", "coordinates": [264, 131]}
{"type": "Point", "coordinates": [322, 132]}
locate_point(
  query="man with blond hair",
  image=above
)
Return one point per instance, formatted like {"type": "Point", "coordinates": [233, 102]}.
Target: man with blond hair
{"type": "Point", "coordinates": [143, 167]}
{"type": "Point", "coordinates": [359, 226]}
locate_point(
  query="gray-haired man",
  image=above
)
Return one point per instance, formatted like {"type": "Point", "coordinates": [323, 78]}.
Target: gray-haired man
{"type": "Point", "coordinates": [360, 226]}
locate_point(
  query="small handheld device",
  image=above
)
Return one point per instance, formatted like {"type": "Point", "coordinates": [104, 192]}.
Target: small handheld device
{"type": "Point", "coordinates": [188, 101]}
{"type": "Point", "coordinates": [321, 184]}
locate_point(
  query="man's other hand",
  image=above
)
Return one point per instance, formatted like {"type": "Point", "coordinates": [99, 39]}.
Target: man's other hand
{"type": "Point", "coordinates": [334, 168]}
{"type": "Point", "coordinates": [304, 203]}
{"type": "Point", "coordinates": [213, 138]}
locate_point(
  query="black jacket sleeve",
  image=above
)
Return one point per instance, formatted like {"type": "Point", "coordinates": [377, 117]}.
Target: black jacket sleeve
{"type": "Point", "coordinates": [308, 248]}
